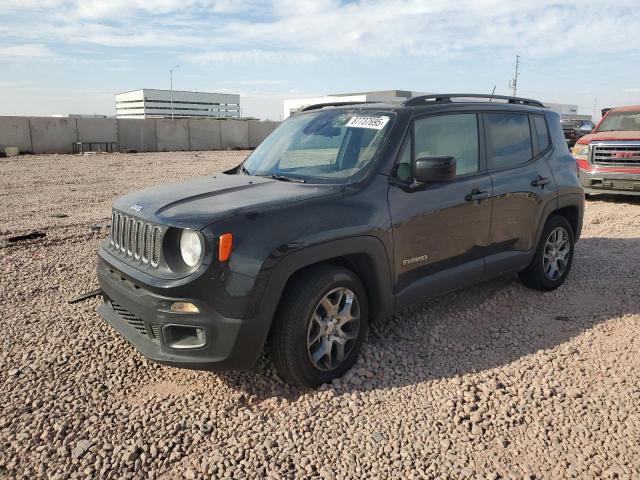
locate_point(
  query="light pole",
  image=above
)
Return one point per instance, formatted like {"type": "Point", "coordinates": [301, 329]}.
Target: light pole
{"type": "Point", "coordinates": [171, 81]}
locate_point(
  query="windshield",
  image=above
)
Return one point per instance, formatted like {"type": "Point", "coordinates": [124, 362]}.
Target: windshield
{"type": "Point", "coordinates": [620, 122]}
{"type": "Point", "coordinates": [330, 146]}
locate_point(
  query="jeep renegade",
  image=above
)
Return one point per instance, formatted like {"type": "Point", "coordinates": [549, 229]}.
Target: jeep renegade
{"type": "Point", "coordinates": [345, 214]}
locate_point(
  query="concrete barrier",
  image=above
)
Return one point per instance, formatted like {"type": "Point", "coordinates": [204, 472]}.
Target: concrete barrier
{"type": "Point", "coordinates": [137, 135]}
{"type": "Point", "coordinates": [14, 132]}
{"type": "Point", "coordinates": [57, 135]}
{"type": "Point", "coordinates": [172, 135]}
{"type": "Point", "coordinates": [205, 134]}
{"type": "Point", "coordinates": [53, 135]}
{"type": "Point", "coordinates": [259, 130]}
{"type": "Point", "coordinates": [97, 130]}
{"type": "Point", "coordinates": [235, 134]}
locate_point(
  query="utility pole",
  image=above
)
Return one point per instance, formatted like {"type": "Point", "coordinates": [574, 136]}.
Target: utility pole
{"type": "Point", "coordinates": [514, 83]}
{"type": "Point", "coordinates": [171, 82]}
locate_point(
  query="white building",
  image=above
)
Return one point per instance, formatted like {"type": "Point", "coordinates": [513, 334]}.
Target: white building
{"type": "Point", "coordinates": [151, 103]}
{"type": "Point", "coordinates": [295, 105]}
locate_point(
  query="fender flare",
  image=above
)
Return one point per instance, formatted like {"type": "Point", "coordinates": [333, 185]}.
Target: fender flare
{"type": "Point", "coordinates": [280, 268]}
{"type": "Point", "coordinates": [371, 247]}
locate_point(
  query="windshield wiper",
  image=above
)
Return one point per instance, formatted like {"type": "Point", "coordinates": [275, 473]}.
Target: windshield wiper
{"type": "Point", "coordinates": [283, 178]}
{"type": "Point", "coordinates": [244, 170]}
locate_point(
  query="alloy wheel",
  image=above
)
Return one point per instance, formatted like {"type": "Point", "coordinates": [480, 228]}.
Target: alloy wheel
{"type": "Point", "coordinates": [333, 330]}
{"type": "Point", "coordinates": [556, 253]}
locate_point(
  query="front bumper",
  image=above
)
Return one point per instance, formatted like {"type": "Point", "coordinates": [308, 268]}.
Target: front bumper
{"type": "Point", "coordinates": [139, 316]}
{"type": "Point", "coordinates": [610, 181]}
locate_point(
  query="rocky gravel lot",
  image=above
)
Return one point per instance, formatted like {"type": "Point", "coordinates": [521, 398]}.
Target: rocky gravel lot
{"type": "Point", "coordinates": [495, 381]}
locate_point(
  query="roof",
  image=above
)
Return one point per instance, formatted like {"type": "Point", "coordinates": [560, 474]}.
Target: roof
{"type": "Point", "coordinates": [628, 108]}
{"type": "Point", "coordinates": [174, 91]}
{"type": "Point", "coordinates": [443, 101]}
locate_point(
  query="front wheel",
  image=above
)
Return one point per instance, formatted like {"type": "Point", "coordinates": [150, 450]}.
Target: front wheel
{"type": "Point", "coordinates": [552, 261]}
{"type": "Point", "coordinates": [319, 326]}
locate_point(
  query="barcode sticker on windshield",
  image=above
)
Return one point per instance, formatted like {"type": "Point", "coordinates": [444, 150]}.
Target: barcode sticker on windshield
{"type": "Point", "coordinates": [377, 123]}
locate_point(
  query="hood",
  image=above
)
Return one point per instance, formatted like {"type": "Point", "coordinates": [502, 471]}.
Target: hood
{"type": "Point", "coordinates": [201, 201]}
{"type": "Point", "coordinates": [617, 136]}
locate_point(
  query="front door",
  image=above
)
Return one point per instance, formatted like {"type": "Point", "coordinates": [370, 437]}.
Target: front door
{"type": "Point", "coordinates": [440, 230]}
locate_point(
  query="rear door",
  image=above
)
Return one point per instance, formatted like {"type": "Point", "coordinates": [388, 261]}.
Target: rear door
{"type": "Point", "coordinates": [440, 230]}
{"type": "Point", "coordinates": [517, 149]}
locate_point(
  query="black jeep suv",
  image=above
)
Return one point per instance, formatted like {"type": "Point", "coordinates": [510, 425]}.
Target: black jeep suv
{"type": "Point", "coordinates": [345, 214]}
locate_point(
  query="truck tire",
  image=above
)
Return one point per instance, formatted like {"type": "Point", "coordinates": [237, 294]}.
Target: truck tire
{"type": "Point", "coordinates": [552, 261]}
{"type": "Point", "coordinates": [319, 326]}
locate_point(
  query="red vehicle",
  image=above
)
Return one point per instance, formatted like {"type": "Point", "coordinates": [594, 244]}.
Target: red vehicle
{"type": "Point", "coordinates": [609, 158]}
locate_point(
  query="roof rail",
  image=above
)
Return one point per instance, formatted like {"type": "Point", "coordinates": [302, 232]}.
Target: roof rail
{"type": "Point", "coordinates": [446, 98]}
{"type": "Point", "coordinates": [316, 106]}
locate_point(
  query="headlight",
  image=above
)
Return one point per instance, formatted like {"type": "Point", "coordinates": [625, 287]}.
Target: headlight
{"type": "Point", "coordinates": [190, 247]}
{"type": "Point", "coordinates": [580, 152]}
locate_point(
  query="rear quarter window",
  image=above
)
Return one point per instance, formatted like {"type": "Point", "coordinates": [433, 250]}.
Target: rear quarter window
{"type": "Point", "coordinates": [542, 132]}
{"type": "Point", "coordinates": [509, 142]}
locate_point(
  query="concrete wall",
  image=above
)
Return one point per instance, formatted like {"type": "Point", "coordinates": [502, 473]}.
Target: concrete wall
{"type": "Point", "coordinates": [53, 135]}
{"type": "Point", "coordinates": [235, 134]}
{"type": "Point", "coordinates": [137, 135]}
{"type": "Point", "coordinates": [57, 135]}
{"type": "Point", "coordinates": [97, 130]}
{"type": "Point", "coordinates": [259, 130]}
{"type": "Point", "coordinates": [205, 134]}
{"type": "Point", "coordinates": [14, 132]}
{"type": "Point", "coordinates": [172, 135]}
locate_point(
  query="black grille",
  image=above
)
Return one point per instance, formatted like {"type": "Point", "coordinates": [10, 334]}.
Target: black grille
{"type": "Point", "coordinates": [135, 239]}
{"type": "Point", "coordinates": [155, 329]}
{"type": "Point", "coordinates": [129, 317]}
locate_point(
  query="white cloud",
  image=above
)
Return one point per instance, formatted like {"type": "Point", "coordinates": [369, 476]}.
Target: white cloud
{"type": "Point", "coordinates": [250, 56]}
{"type": "Point", "coordinates": [304, 30]}
{"type": "Point", "coordinates": [25, 51]}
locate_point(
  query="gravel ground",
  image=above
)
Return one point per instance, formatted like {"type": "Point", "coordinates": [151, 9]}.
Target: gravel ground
{"type": "Point", "coordinates": [495, 381]}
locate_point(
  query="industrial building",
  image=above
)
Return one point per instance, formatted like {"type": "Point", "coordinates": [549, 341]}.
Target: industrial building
{"type": "Point", "coordinates": [151, 103]}
{"type": "Point", "coordinates": [295, 105]}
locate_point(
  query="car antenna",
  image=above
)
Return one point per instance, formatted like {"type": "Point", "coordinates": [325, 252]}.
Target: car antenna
{"type": "Point", "coordinates": [492, 92]}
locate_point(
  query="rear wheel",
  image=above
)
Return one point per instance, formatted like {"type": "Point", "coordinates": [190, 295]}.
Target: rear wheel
{"type": "Point", "coordinates": [552, 261]}
{"type": "Point", "coordinates": [319, 326]}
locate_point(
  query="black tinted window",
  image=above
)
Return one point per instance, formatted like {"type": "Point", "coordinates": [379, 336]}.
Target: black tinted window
{"type": "Point", "coordinates": [451, 135]}
{"type": "Point", "coordinates": [541, 130]}
{"type": "Point", "coordinates": [508, 139]}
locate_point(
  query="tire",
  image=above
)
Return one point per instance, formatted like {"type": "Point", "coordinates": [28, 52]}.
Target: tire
{"type": "Point", "coordinates": [540, 274]}
{"type": "Point", "coordinates": [302, 317]}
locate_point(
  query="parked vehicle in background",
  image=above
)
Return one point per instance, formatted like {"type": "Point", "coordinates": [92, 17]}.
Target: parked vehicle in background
{"type": "Point", "coordinates": [574, 128]}
{"type": "Point", "coordinates": [609, 158]}
{"type": "Point", "coordinates": [344, 214]}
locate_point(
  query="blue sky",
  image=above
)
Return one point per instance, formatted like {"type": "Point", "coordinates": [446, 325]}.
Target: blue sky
{"type": "Point", "coordinates": [68, 56]}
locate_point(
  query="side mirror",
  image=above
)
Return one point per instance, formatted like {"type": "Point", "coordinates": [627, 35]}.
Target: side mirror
{"type": "Point", "coordinates": [434, 169]}
{"type": "Point", "coordinates": [586, 129]}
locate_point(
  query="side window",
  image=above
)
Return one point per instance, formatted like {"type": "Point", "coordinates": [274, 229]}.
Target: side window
{"type": "Point", "coordinates": [542, 132]}
{"type": "Point", "coordinates": [508, 139]}
{"type": "Point", "coordinates": [453, 135]}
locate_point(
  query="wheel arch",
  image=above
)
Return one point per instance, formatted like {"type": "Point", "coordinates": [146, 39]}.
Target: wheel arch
{"type": "Point", "coordinates": [366, 256]}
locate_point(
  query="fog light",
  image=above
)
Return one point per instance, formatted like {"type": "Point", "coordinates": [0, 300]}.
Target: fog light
{"type": "Point", "coordinates": [184, 307]}
{"type": "Point", "coordinates": [184, 337]}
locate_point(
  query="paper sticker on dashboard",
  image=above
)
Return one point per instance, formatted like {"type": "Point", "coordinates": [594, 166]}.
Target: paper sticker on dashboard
{"type": "Point", "coordinates": [377, 123]}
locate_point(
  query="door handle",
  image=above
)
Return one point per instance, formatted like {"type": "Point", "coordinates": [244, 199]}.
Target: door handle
{"type": "Point", "coordinates": [477, 195]}
{"type": "Point", "coordinates": [540, 181]}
